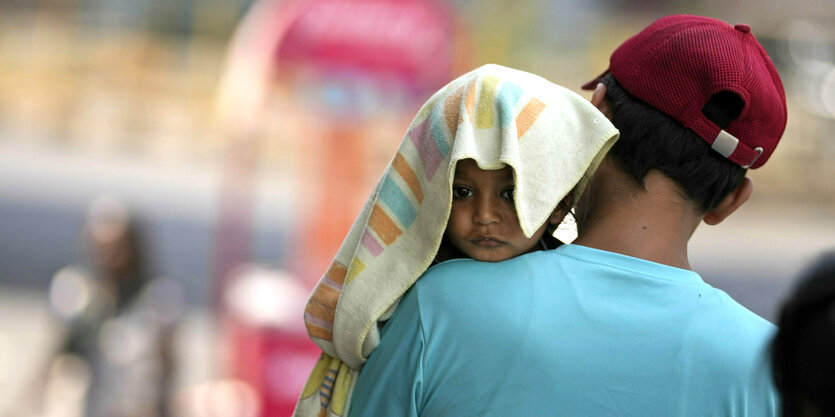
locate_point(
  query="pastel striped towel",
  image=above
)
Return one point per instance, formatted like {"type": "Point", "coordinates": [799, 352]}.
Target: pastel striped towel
{"type": "Point", "coordinates": [551, 137]}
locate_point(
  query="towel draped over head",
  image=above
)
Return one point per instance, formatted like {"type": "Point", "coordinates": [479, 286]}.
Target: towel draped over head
{"type": "Point", "coordinates": [552, 138]}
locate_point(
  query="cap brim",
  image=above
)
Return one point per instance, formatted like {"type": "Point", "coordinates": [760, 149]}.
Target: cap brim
{"type": "Point", "coordinates": [591, 85]}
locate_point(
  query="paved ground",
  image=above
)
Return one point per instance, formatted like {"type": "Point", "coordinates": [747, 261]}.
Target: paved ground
{"type": "Point", "coordinates": [28, 334]}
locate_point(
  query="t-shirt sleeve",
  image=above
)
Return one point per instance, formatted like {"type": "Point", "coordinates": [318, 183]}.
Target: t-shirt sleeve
{"type": "Point", "coordinates": [390, 382]}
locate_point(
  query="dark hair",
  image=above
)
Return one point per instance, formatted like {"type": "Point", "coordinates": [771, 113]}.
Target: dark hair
{"type": "Point", "coordinates": [803, 352]}
{"type": "Point", "coordinates": [649, 139]}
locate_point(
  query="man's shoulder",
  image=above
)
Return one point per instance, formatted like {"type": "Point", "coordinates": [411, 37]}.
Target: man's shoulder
{"type": "Point", "coordinates": [734, 340]}
{"type": "Point", "coordinates": [730, 320]}
{"type": "Point", "coordinates": [448, 282]}
{"type": "Point", "coordinates": [735, 317]}
{"type": "Point", "coordinates": [468, 270]}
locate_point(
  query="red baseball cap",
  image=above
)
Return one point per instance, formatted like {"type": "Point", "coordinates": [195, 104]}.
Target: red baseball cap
{"type": "Point", "coordinates": [678, 62]}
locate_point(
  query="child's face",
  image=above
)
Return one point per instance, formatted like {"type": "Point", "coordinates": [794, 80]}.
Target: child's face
{"type": "Point", "coordinates": [483, 222]}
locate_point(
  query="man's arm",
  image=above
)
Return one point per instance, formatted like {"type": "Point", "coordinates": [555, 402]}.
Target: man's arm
{"type": "Point", "coordinates": [762, 397]}
{"type": "Point", "coordinates": [390, 382]}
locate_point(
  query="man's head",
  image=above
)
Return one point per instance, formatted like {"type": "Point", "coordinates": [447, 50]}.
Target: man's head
{"type": "Point", "coordinates": [697, 99]}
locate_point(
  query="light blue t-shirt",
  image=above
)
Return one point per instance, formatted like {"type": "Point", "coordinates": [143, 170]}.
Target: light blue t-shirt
{"type": "Point", "coordinates": [574, 331]}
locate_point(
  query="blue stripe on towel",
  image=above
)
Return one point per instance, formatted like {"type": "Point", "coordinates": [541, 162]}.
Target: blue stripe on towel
{"type": "Point", "coordinates": [506, 100]}
{"type": "Point", "coordinates": [397, 201]}
{"type": "Point", "coordinates": [438, 127]}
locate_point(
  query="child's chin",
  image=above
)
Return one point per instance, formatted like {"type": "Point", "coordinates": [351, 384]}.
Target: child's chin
{"type": "Point", "coordinates": [490, 257]}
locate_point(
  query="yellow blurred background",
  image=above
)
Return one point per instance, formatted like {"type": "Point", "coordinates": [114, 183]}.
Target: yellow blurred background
{"type": "Point", "coordinates": [234, 159]}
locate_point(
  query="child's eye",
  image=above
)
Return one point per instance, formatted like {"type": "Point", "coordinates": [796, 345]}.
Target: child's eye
{"type": "Point", "coordinates": [459, 191]}
{"type": "Point", "coordinates": [507, 194]}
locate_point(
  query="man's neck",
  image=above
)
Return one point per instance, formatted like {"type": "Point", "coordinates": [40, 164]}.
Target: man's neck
{"type": "Point", "coordinates": [653, 224]}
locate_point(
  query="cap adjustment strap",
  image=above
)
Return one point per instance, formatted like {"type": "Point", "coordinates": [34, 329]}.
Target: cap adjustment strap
{"type": "Point", "coordinates": [759, 151]}
{"type": "Point", "coordinates": [725, 143]}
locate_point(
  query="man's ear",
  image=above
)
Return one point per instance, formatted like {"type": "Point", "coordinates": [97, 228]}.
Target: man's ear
{"type": "Point", "coordinates": [598, 99]}
{"type": "Point", "coordinates": [730, 203]}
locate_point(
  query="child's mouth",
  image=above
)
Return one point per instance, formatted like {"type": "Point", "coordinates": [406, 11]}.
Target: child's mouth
{"type": "Point", "coordinates": [486, 242]}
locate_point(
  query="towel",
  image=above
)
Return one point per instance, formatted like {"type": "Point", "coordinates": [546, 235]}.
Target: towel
{"type": "Point", "coordinates": [552, 138]}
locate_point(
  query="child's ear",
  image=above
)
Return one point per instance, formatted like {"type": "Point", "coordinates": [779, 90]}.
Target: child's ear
{"type": "Point", "coordinates": [598, 99]}
{"type": "Point", "coordinates": [556, 216]}
{"type": "Point", "coordinates": [561, 211]}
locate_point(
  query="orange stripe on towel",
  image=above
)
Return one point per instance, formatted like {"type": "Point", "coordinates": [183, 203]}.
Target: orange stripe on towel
{"type": "Point", "coordinates": [337, 272]}
{"type": "Point", "coordinates": [326, 296]}
{"type": "Point", "coordinates": [408, 174]}
{"type": "Point", "coordinates": [471, 101]}
{"type": "Point", "coordinates": [452, 104]}
{"type": "Point", "coordinates": [528, 116]}
{"type": "Point", "coordinates": [383, 225]}
{"type": "Point", "coordinates": [322, 304]}
{"type": "Point", "coordinates": [319, 332]}
{"type": "Point", "coordinates": [320, 311]}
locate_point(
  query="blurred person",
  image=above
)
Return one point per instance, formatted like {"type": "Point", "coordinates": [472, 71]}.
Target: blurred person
{"type": "Point", "coordinates": [487, 169]}
{"type": "Point", "coordinates": [803, 352]}
{"type": "Point", "coordinates": [616, 323]}
{"type": "Point", "coordinates": [120, 323]}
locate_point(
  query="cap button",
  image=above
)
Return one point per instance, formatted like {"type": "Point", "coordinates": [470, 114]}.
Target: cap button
{"type": "Point", "coordinates": [742, 28]}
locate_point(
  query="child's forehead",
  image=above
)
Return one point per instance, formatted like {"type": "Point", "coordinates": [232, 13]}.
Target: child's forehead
{"type": "Point", "coordinates": [468, 168]}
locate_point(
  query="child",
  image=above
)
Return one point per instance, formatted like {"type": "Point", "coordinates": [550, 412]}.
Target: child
{"type": "Point", "coordinates": [482, 222]}
{"type": "Point", "coordinates": [487, 159]}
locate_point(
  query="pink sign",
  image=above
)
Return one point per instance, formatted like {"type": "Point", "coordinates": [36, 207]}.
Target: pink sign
{"type": "Point", "coordinates": [409, 39]}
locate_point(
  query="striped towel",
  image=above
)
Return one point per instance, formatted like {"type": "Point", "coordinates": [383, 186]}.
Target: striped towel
{"type": "Point", "coordinates": [553, 139]}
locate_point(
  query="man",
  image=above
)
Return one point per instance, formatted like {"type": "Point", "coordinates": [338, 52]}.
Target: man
{"type": "Point", "coordinates": [615, 324]}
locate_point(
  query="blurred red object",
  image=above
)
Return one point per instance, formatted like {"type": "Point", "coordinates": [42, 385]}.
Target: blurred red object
{"type": "Point", "coordinates": [406, 39]}
{"type": "Point", "coordinates": [268, 346]}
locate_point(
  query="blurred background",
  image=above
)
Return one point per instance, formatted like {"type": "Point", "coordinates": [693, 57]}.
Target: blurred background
{"type": "Point", "coordinates": [175, 175]}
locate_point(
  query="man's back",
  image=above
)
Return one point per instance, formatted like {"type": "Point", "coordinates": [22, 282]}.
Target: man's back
{"type": "Point", "coordinates": [578, 332]}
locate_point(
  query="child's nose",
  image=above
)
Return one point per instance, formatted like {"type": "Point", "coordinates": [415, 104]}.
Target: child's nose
{"type": "Point", "coordinates": [486, 212]}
